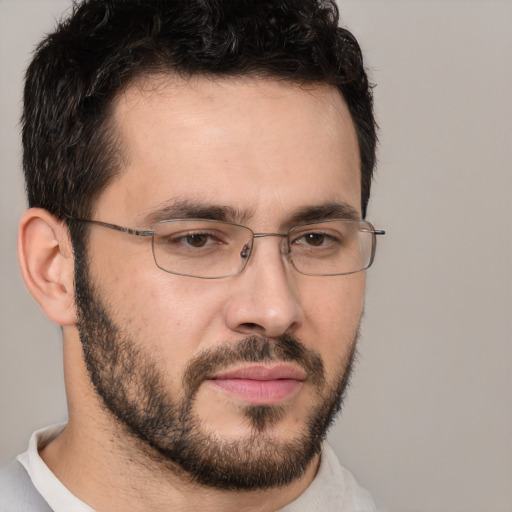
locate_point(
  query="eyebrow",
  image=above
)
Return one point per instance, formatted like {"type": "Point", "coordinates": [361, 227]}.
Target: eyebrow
{"type": "Point", "coordinates": [325, 211]}
{"type": "Point", "coordinates": [189, 209]}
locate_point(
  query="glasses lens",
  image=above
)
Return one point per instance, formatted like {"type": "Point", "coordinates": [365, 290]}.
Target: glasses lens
{"type": "Point", "coordinates": [201, 248]}
{"type": "Point", "coordinates": [332, 247]}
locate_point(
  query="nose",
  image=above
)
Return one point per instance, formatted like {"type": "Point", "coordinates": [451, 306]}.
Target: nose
{"type": "Point", "coordinates": [265, 299]}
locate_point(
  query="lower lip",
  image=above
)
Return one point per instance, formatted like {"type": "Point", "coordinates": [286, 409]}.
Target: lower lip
{"type": "Point", "coordinates": [259, 392]}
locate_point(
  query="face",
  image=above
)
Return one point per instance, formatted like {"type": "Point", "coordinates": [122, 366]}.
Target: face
{"type": "Point", "coordinates": [233, 382]}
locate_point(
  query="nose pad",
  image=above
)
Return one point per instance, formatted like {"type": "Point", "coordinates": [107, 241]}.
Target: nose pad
{"type": "Point", "coordinates": [246, 252]}
{"type": "Point", "coordinates": [286, 250]}
{"type": "Point", "coordinates": [245, 255]}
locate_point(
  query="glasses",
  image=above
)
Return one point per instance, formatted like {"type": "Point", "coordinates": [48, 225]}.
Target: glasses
{"type": "Point", "coordinates": [211, 249]}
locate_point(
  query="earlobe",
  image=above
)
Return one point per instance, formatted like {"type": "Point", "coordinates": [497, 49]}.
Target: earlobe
{"type": "Point", "coordinates": [46, 260]}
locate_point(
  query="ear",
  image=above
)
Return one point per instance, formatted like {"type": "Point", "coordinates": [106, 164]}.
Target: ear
{"type": "Point", "coordinates": [46, 260]}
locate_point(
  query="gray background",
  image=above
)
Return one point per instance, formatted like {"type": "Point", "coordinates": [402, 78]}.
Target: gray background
{"type": "Point", "coordinates": [427, 426]}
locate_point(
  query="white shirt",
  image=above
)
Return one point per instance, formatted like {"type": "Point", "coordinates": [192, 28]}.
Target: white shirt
{"type": "Point", "coordinates": [334, 489]}
{"type": "Point", "coordinates": [49, 486]}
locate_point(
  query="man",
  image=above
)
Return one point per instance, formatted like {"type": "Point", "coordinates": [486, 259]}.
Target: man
{"type": "Point", "coordinates": [198, 174]}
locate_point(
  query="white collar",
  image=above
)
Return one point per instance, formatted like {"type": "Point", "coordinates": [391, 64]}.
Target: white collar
{"type": "Point", "coordinates": [58, 496]}
{"type": "Point", "coordinates": [333, 489]}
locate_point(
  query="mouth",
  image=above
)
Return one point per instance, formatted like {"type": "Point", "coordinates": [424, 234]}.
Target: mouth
{"type": "Point", "coordinates": [260, 384]}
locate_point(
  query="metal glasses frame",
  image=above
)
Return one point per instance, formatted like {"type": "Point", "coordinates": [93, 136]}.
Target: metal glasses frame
{"type": "Point", "coordinates": [151, 233]}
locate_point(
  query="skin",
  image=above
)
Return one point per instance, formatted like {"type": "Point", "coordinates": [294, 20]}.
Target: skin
{"type": "Point", "coordinates": [264, 148]}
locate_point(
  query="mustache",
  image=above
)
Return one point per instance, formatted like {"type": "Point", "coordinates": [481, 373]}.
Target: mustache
{"type": "Point", "coordinates": [253, 349]}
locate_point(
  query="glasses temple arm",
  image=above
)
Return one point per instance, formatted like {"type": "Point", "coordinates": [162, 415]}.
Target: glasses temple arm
{"type": "Point", "coordinates": [123, 229]}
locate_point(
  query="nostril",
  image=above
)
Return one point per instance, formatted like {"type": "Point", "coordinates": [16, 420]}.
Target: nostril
{"type": "Point", "coordinates": [252, 328]}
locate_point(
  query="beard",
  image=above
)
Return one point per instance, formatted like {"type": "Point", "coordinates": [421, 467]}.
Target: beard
{"type": "Point", "coordinates": [132, 387]}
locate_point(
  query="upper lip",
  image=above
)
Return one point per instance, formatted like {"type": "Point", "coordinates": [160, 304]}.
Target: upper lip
{"type": "Point", "coordinates": [263, 372]}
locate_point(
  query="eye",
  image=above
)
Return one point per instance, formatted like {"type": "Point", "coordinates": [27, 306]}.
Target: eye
{"type": "Point", "coordinates": [196, 240]}
{"type": "Point", "coordinates": [314, 239]}
{"type": "Point", "coordinates": [193, 240]}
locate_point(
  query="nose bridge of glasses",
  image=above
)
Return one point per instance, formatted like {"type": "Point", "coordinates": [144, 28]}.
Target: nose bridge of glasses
{"type": "Point", "coordinates": [283, 236]}
{"type": "Point", "coordinates": [263, 235]}
{"type": "Point", "coordinates": [248, 248]}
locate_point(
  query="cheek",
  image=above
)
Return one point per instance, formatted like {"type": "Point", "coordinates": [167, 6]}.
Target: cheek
{"type": "Point", "coordinates": [333, 312]}
{"type": "Point", "coordinates": [190, 305]}
{"type": "Point", "coordinates": [173, 316]}
{"type": "Point", "coordinates": [337, 302]}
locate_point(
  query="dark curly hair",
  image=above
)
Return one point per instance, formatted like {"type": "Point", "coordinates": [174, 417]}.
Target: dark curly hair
{"type": "Point", "coordinates": [70, 149]}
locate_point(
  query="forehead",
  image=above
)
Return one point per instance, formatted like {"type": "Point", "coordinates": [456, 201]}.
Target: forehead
{"type": "Point", "coordinates": [250, 144]}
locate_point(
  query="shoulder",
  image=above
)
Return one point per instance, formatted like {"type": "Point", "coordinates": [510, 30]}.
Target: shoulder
{"type": "Point", "coordinates": [17, 493]}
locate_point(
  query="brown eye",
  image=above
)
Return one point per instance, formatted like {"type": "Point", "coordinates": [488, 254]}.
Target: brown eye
{"type": "Point", "coordinates": [314, 239]}
{"type": "Point", "coordinates": [197, 240]}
